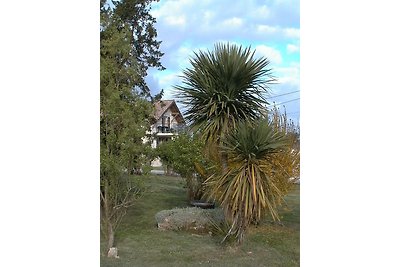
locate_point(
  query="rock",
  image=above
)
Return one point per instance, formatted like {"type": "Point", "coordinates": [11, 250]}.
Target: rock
{"type": "Point", "coordinates": [113, 253]}
{"type": "Point", "coordinates": [192, 219]}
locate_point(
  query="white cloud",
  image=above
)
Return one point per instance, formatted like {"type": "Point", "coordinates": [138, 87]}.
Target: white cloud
{"type": "Point", "coordinates": [283, 1]}
{"type": "Point", "coordinates": [165, 8]}
{"type": "Point", "coordinates": [167, 81]}
{"type": "Point", "coordinates": [290, 48]}
{"type": "Point", "coordinates": [292, 32]}
{"type": "Point", "coordinates": [267, 29]}
{"type": "Point", "coordinates": [232, 22]}
{"type": "Point", "coordinates": [205, 21]}
{"type": "Point", "coordinates": [208, 16]}
{"type": "Point", "coordinates": [176, 20]}
{"type": "Point", "coordinates": [262, 12]}
{"type": "Point", "coordinates": [272, 54]}
{"type": "Point", "coordinates": [289, 75]}
{"type": "Point", "coordinates": [286, 32]}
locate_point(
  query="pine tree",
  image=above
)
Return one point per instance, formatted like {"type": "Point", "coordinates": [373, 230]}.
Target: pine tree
{"type": "Point", "coordinates": [125, 116]}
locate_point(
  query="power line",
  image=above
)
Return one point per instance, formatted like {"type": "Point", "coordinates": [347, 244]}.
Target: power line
{"type": "Point", "coordinates": [283, 94]}
{"type": "Point", "coordinates": [287, 101]}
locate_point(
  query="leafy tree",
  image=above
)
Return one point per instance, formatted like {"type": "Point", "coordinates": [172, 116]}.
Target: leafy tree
{"type": "Point", "coordinates": [124, 119]}
{"type": "Point", "coordinates": [184, 154]}
{"type": "Point", "coordinates": [145, 48]}
{"type": "Point", "coordinates": [165, 152]}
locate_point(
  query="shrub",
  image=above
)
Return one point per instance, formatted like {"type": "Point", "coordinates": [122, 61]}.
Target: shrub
{"type": "Point", "coordinates": [184, 154]}
{"type": "Point", "coordinates": [255, 182]}
{"type": "Point", "coordinates": [190, 219]}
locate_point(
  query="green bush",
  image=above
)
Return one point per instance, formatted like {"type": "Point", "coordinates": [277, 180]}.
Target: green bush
{"type": "Point", "coordinates": [184, 154]}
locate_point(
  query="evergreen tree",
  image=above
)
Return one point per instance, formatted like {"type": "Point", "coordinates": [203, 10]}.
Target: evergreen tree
{"type": "Point", "coordinates": [125, 116]}
{"type": "Point", "coordinates": [135, 14]}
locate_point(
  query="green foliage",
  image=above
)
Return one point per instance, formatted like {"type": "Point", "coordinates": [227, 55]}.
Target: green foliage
{"type": "Point", "coordinates": [117, 195]}
{"type": "Point", "coordinates": [220, 228]}
{"type": "Point", "coordinates": [224, 92]}
{"type": "Point", "coordinates": [166, 153]}
{"type": "Point", "coordinates": [125, 116]}
{"type": "Point", "coordinates": [223, 87]}
{"type": "Point", "coordinates": [255, 181]}
{"type": "Point", "coordinates": [184, 154]}
{"type": "Point", "coordinates": [135, 16]}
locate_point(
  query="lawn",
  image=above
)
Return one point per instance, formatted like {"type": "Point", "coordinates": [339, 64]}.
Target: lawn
{"type": "Point", "coordinates": [140, 243]}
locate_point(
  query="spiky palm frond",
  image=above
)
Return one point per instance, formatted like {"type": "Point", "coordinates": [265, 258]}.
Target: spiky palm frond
{"type": "Point", "coordinates": [252, 184]}
{"type": "Point", "coordinates": [223, 87]}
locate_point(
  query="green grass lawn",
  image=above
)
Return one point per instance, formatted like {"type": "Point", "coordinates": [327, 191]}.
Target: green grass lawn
{"type": "Point", "coordinates": [140, 243]}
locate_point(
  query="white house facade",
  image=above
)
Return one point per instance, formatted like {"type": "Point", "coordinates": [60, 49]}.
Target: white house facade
{"type": "Point", "coordinates": [169, 121]}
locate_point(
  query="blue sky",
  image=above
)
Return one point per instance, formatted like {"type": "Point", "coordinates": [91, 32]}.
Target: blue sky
{"type": "Point", "coordinates": [271, 27]}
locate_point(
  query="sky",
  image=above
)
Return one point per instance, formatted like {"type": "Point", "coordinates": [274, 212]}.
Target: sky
{"type": "Point", "coordinates": [270, 27]}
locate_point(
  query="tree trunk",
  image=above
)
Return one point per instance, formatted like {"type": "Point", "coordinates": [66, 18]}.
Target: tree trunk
{"type": "Point", "coordinates": [189, 185]}
{"type": "Point", "coordinates": [169, 170]}
{"type": "Point", "coordinates": [110, 236]}
{"type": "Point", "coordinates": [109, 231]}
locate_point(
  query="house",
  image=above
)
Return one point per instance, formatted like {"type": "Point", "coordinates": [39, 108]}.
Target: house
{"type": "Point", "coordinates": [168, 122]}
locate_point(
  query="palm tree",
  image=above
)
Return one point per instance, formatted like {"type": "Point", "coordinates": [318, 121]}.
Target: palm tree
{"type": "Point", "coordinates": [223, 87]}
{"type": "Point", "coordinates": [225, 94]}
{"type": "Point", "coordinates": [255, 181]}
